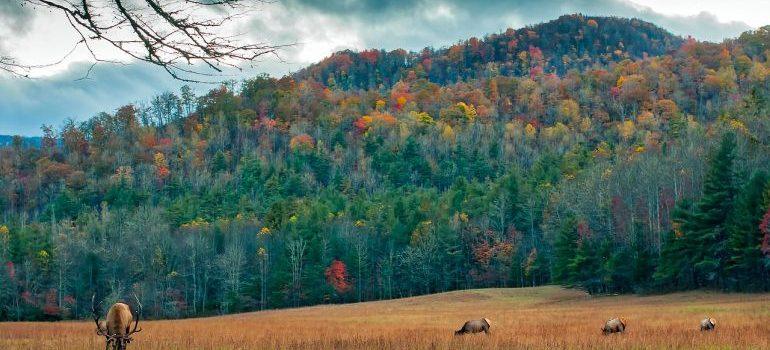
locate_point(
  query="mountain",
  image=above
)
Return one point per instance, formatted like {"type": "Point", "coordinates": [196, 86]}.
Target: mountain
{"type": "Point", "coordinates": [598, 153]}
{"type": "Point", "coordinates": [569, 42]}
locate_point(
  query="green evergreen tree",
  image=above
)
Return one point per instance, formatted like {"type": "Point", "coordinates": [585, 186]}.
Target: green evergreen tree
{"type": "Point", "coordinates": [565, 248]}
{"type": "Point", "coordinates": [708, 224]}
{"type": "Point", "coordinates": [696, 254]}
{"type": "Point", "coordinates": [745, 265]}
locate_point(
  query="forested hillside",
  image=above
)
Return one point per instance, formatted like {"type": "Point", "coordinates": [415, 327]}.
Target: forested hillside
{"type": "Point", "coordinates": [550, 154]}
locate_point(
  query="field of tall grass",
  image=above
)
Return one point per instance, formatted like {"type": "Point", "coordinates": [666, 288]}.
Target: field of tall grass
{"type": "Point", "coordinates": [527, 318]}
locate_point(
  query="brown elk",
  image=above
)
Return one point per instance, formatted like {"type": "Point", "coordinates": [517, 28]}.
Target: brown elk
{"type": "Point", "coordinates": [615, 325]}
{"type": "Point", "coordinates": [475, 326]}
{"type": "Point", "coordinates": [117, 329]}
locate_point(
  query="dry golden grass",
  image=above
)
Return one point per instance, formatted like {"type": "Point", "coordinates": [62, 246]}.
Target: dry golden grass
{"type": "Point", "coordinates": [528, 318]}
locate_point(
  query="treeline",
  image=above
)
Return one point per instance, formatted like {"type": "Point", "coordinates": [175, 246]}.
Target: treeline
{"type": "Point", "coordinates": [640, 175]}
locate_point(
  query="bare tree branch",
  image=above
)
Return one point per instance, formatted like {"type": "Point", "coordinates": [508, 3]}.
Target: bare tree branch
{"type": "Point", "coordinates": [179, 36]}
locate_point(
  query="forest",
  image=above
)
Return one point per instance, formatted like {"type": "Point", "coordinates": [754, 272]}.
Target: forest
{"type": "Point", "coordinates": [600, 153]}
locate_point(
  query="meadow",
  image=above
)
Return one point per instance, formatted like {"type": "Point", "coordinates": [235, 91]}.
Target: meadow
{"type": "Point", "coordinates": [525, 318]}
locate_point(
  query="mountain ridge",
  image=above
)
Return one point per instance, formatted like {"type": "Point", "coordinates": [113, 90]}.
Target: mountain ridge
{"type": "Point", "coordinates": [569, 42]}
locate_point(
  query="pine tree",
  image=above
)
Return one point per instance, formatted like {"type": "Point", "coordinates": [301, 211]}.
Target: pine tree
{"type": "Point", "coordinates": [565, 248]}
{"type": "Point", "coordinates": [696, 254]}
{"type": "Point", "coordinates": [586, 265]}
{"type": "Point", "coordinates": [745, 265]}
{"type": "Point", "coordinates": [708, 224]}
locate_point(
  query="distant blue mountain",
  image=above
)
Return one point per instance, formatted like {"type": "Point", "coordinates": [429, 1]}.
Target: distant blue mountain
{"type": "Point", "coordinates": [7, 140]}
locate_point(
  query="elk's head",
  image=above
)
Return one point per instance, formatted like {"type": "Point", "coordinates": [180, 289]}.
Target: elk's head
{"type": "Point", "coordinates": [116, 340]}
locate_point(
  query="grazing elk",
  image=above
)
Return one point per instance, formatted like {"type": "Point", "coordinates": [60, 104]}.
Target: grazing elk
{"type": "Point", "coordinates": [117, 329]}
{"type": "Point", "coordinates": [615, 325]}
{"type": "Point", "coordinates": [708, 324]}
{"type": "Point", "coordinates": [475, 326]}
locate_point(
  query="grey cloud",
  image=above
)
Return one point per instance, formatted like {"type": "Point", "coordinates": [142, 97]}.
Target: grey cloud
{"type": "Point", "coordinates": [27, 104]}
{"type": "Point", "coordinates": [416, 24]}
{"type": "Point", "coordinates": [15, 16]}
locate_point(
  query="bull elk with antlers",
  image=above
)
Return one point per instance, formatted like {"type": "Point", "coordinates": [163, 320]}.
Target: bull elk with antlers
{"type": "Point", "coordinates": [117, 329]}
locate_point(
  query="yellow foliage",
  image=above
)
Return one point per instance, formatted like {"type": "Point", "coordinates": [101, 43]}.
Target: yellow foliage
{"type": "Point", "coordinates": [468, 110]}
{"type": "Point", "coordinates": [607, 173]}
{"type": "Point", "coordinates": [360, 223]}
{"type": "Point", "coordinates": [422, 230]}
{"type": "Point", "coordinates": [195, 223]}
{"type": "Point", "coordinates": [448, 133]}
{"type": "Point", "coordinates": [4, 230]}
{"type": "Point", "coordinates": [264, 231]}
{"type": "Point", "coordinates": [380, 104]}
{"type": "Point", "coordinates": [293, 219]}
{"type": "Point", "coordinates": [585, 124]}
{"type": "Point", "coordinates": [530, 131]}
{"type": "Point", "coordinates": [160, 159]}
{"type": "Point", "coordinates": [463, 217]}
{"type": "Point", "coordinates": [557, 131]}
{"type": "Point", "coordinates": [569, 110]}
{"type": "Point", "coordinates": [602, 150]}
{"type": "Point", "coordinates": [639, 149]}
{"type": "Point", "coordinates": [261, 252]}
{"type": "Point", "coordinates": [626, 129]}
{"type": "Point", "coordinates": [758, 72]}
{"type": "Point", "coordinates": [422, 117]}
{"type": "Point", "coordinates": [43, 257]}
{"type": "Point", "coordinates": [691, 122]}
{"type": "Point", "coordinates": [738, 125]}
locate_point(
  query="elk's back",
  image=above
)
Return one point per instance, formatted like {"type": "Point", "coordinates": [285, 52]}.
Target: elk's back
{"type": "Point", "coordinates": [119, 319]}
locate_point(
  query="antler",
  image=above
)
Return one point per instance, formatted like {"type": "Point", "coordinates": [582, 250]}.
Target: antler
{"type": "Point", "coordinates": [99, 329]}
{"type": "Point", "coordinates": [138, 315]}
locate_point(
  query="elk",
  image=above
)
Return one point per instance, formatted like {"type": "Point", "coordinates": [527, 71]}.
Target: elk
{"type": "Point", "coordinates": [615, 325]}
{"type": "Point", "coordinates": [708, 324]}
{"type": "Point", "coordinates": [475, 326]}
{"type": "Point", "coordinates": [117, 329]}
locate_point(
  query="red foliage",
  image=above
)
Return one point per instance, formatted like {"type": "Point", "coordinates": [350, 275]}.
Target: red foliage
{"type": "Point", "coordinates": [27, 297]}
{"type": "Point", "coordinates": [764, 227]}
{"type": "Point", "coordinates": [337, 275]}
{"type": "Point", "coordinates": [11, 269]}
{"type": "Point", "coordinates": [163, 172]}
{"type": "Point", "coordinates": [583, 230]}
{"type": "Point", "coordinates": [535, 71]}
{"type": "Point", "coordinates": [615, 91]}
{"type": "Point", "coordinates": [370, 56]}
{"type": "Point", "coordinates": [483, 253]}
{"type": "Point", "coordinates": [535, 53]}
{"type": "Point", "coordinates": [51, 307]}
{"type": "Point", "coordinates": [620, 214]}
{"type": "Point", "coordinates": [512, 45]}
{"type": "Point", "coordinates": [426, 64]}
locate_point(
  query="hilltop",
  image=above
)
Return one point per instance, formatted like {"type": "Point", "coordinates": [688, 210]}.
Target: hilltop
{"type": "Point", "coordinates": [569, 42]}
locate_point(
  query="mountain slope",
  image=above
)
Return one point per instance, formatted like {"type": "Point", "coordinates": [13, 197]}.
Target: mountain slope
{"type": "Point", "coordinates": [571, 41]}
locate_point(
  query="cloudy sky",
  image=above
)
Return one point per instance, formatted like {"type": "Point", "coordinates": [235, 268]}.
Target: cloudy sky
{"type": "Point", "coordinates": [318, 28]}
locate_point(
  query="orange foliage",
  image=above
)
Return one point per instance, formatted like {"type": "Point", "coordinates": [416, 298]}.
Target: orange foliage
{"type": "Point", "coordinates": [337, 276]}
{"type": "Point", "coordinates": [302, 142]}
